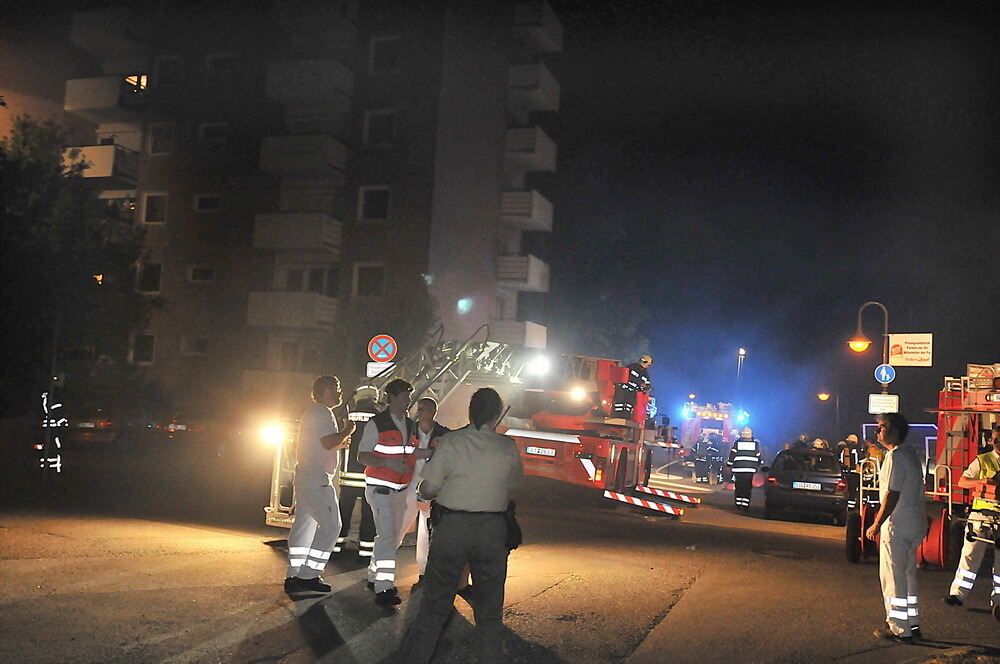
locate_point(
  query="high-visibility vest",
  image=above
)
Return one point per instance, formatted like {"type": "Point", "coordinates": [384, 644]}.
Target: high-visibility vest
{"type": "Point", "coordinates": [744, 457]}
{"type": "Point", "coordinates": [390, 445]}
{"type": "Point", "coordinates": [989, 466]}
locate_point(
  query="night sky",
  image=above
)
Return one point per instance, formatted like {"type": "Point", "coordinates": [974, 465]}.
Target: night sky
{"type": "Point", "coordinates": [749, 173]}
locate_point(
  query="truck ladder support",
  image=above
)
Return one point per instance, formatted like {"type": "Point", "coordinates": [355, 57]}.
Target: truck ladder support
{"type": "Point", "coordinates": [668, 494]}
{"type": "Point", "coordinates": [648, 504]}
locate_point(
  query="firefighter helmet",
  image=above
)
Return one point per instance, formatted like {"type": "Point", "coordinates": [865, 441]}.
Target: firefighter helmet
{"type": "Point", "coordinates": [646, 360]}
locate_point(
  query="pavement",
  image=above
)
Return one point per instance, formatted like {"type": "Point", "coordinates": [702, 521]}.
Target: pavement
{"type": "Point", "coordinates": [98, 581]}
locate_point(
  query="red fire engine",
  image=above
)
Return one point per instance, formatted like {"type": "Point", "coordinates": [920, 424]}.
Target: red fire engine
{"type": "Point", "coordinates": [709, 418]}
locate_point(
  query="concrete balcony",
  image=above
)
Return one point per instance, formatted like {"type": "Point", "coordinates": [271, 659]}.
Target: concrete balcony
{"type": "Point", "coordinates": [313, 154]}
{"type": "Point", "coordinates": [537, 27]}
{"type": "Point", "coordinates": [112, 33]}
{"type": "Point", "coordinates": [532, 88]}
{"type": "Point", "coordinates": [518, 333]}
{"type": "Point", "coordinates": [523, 273]}
{"type": "Point", "coordinates": [106, 98]}
{"type": "Point", "coordinates": [530, 149]}
{"type": "Point", "coordinates": [297, 231]}
{"type": "Point", "coordinates": [109, 166]}
{"type": "Point", "coordinates": [298, 310]}
{"type": "Point", "coordinates": [269, 386]}
{"type": "Point", "coordinates": [526, 210]}
{"type": "Point", "coordinates": [323, 82]}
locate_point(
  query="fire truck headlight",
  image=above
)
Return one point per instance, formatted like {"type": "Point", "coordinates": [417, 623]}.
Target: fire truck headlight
{"type": "Point", "coordinates": [273, 434]}
{"type": "Point", "coordinates": [578, 393]}
{"type": "Point", "coordinates": [538, 365]}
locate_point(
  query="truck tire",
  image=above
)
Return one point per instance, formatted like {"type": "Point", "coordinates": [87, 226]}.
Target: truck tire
{"type": "Point", "coordinates": [839, 518]}
{"type": "Point", "coordinates": [853, 537]}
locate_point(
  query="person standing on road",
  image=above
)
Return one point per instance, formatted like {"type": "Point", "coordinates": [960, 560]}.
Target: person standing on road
{"type": "Point", "coordinates": [469, 477]}
{"type": "Point", "coordinates": [388, 449]}
{"type": "Point", "coordinates": [428, 432]}
{"type": "Point", "coordinates": [901, 523]}
{"type": "Point", "coordinates": [352, 491]}
{"type": "Point", "coordinates": [317, 515]}
{"type": "Point", "coordinates": [744, 460]}
{"type": "Point", "coordinates": [984, 470]}
{"type": "Point", "coordinates": [701, 456]}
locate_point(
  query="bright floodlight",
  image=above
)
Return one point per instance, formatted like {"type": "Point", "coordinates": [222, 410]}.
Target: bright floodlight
{"type": "Point", "coordinates": [578, 393]}
{"type": "Point", "coordinates": [743, 352]}
{"type": "Point", "coordinates": [539, 365]}
{"type": "Point", "coordinates": [273, 434]}
{"type": "Point", "coordinates": [859, 344]}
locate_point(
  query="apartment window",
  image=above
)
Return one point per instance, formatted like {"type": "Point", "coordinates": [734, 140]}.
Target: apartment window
{"type": "Point", "coordinates": [161, 139]}
{"type": "Point", "coordinates": [148, 279]}
{"type": "Point", "coordinates": [207, 202]}
{"type": "Point", "coordinates": [213, 132]}
{"type": "Point", "coordinates": [201, 275]}
{"type": "Point", "coordinates": [374, 204]}
{"type": "Point", "coordinates": [380, 127]}
{"type": "Point", "coordinates": [154, 208]}
{"type": "Point", "coordinates": [194, 346]}
{"type": "Point", "coordinates": [219, 62]}
{"type": "Point", "coordinates": [142, 348]}
{"type": "Point", "coordinates": [384, 54]}
{"type": "Point", "coordinates": [369, 280]}
{"type": "Point", "coordinates": [167, 72]}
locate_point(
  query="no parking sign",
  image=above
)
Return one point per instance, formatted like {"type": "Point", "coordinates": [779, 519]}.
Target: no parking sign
{"type": "Point", "coordinates": [382, 348]}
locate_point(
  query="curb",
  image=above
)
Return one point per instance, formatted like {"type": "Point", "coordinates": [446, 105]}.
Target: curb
{"type": "Point", "coordinates": [961, 655]}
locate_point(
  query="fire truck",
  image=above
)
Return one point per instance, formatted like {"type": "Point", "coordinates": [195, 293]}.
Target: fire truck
{"type": "Point", "coordinates": [709, 418]}
{"type": "Point", "coordinates": [968, 407]}
{"type": "Point", "coordinates": [560, 419]}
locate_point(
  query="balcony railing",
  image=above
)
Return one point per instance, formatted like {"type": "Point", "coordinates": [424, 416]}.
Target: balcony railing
{"type": "Point", "coordinates": [532, 88]}
{"type": "Point", "coordinates": [106, 98]}
{"type": "Point", "coordinates": [527, 210]}
{"type": "Point", "coordinates": [537, 27]}
{"type": "Point", "coordinates": [311, 82]}
{"type": "Point", "coordinates": [298, 231]}
{"type": "Point", "coordinates": [524, 273]}
{"type": "Point", "coordinates": [117, 32]}
{"type": "Point", "coordinates": [518, 333]}
{"type": "Point", "coordinates": [530, 149]}
{"type": "Point", "coordinates": [302, 155]}
{"type": "Point", "coordinates": [110, 166]}
{"type": "Point", "coordinates": [298, 310]}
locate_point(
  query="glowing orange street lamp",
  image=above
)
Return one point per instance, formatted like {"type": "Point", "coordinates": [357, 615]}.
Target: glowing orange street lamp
{"type": "Point", "coordinates": [859, 344]}
{"type": "Point", "coordinates": [823, 396]}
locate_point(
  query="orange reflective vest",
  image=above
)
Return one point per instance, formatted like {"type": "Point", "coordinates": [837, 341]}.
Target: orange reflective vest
{"type": "Point", "coordinates": [390, 445]}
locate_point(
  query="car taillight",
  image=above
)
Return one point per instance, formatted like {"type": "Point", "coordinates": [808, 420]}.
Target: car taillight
{"type": "Point", "coordinates": [772, 481]}
{"type": "Point", "coordinates": [841, 486]}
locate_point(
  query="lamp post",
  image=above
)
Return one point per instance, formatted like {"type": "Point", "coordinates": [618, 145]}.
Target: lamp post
{"type": "Point", "coordinates": [860, 343]}
{"type": "Point", "coordinates": [826, 396]}
{"type": "Point", "coordinates": [740, 356]}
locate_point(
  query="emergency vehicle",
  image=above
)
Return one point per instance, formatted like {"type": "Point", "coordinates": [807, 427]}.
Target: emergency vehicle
{"type": "Point", "coordinates": [968, 407]}
{"type": "Point", "coordinates": [709, 418]}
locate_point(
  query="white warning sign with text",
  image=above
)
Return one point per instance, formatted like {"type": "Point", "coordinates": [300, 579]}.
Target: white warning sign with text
{"type": "Point", "coordinates": [911, 350]}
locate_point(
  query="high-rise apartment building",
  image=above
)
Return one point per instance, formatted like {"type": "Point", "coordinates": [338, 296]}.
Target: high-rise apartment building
{"type": "Point", "coordinates": [306, 174]}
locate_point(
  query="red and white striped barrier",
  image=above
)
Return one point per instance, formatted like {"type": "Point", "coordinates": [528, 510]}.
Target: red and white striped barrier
{"type": "Point", "coordinates": [669, 494]}
{"type": "Point", "coordinates": [659, 443]}
{"type": "Point", "coordinates": [648, 504]}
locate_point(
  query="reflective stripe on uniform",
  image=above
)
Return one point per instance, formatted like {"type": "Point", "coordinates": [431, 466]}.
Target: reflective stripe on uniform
{"type": "Point", "coordinates": [745, 458]}
{"type": "Point", "coordinates": [357, 484]}
{"type": "Point", "coordinates": [380, 482]}
{"type": "Point", "coordinates": [315, 565]}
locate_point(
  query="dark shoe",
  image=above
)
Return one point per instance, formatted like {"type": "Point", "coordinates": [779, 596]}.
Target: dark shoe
{"type": "Point", "coordinates": [387, 598]}
{"type": "Point", "coordinates": [996, 611]}
{"type": "Point", "coordinates": [886, 634]}
{"type": "Point", "coordinates": [465, 593]}
{"type": "Point", "coordinates": [370, 585]}
{"type": "Point", "coordinates": [953, 600]}
{"type": "Point", "coordinates": [916, 634]}
{"type": "Point", "coordinates": [316, 585]}
{"type": "Point", "coordinates": [294, 584]}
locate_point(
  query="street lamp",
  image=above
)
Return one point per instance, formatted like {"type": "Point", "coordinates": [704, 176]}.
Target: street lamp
{"type": "Point", "coordinates": [860, 343]}
{"type": "Point", "coordinates": [825, 396]}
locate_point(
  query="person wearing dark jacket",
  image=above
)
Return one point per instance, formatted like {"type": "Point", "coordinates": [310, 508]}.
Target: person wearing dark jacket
{"type": "Point", "coordinates": [744, 460]}
{"type": "Point", "coordinates": [637, 381]}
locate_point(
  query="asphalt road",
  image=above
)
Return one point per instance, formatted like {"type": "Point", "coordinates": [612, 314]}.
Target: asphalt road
{"type": "Point", "coordinates": [158, 557]}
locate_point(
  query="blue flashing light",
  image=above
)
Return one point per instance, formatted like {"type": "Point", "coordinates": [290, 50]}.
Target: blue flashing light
{"type": "Point", "coordinates": [742, 417]}
{"type": "Point", "coordinates": [464, 305]}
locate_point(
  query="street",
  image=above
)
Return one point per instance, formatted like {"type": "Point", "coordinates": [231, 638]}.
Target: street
{"type": "Point", "coordinates": [113, 580]}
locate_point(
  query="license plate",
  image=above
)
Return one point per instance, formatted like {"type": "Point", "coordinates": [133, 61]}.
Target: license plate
{"type": "Point", "coordinates": [540, 451]}
{"type": "Point", "coordinates": [811, 486]}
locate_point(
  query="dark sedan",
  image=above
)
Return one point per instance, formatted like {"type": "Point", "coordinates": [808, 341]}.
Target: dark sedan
{"type": "Point", "coordinates": [806, 480]}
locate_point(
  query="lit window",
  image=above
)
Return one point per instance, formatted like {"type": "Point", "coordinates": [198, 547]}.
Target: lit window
{"type": "Point", "coordinates": [142, 348]}
{"type": "Point", "coordinates": [161, 139]}
{"type": "Point", "coordinates": [380, 127]}
{"type": "Point", "coordinates": [148, 280]}
{"type": "Point", "coordinates": [137, 82]}
{"type": "Point", "coordinates": [369, 280]}
{"type": "Point", "coordinates": [199, 274]}
{"type": "Point", "coordinates": [374, 204]}
{"type": "Point", "coordinates": [384, 54]}
{"type": "Point", "coordinates": [207, 202]}
{"type": "Point", "coordinates": [213, 132]}
{"type": "Point", "coordinates": [154, 208]}
{"type": "Point", "coordinates": [194, 345]}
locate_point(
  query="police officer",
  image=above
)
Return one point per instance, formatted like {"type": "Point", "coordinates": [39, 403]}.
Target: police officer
{"type": "Point", "coordinates": [983, 470]}
{"type": "Point", "coordinates": [388, 449]}
{"type": "Point", "coordinates": [744, 460]}
{"type": "Point", "coordinates": [469, 478]}
{"type": "Point", "coordinates": [317, 516]}
{"type": "Point", "coordinates": [637, 381]}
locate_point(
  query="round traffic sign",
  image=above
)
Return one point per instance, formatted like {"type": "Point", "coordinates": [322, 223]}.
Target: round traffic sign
{"type": "Point", "coordinates": [885, 373]}
{"type": "Point", "coordinates": [382, 348]}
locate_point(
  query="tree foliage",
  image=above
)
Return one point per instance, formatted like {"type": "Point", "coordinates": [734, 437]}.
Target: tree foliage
{"type": "Point", "coordinates": [55, 236]}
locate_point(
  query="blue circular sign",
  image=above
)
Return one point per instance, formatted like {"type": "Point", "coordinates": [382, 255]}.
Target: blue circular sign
{"type": "Point", "coordinates": [885, 373]}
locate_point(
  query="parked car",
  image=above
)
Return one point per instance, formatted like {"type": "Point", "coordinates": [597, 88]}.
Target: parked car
{"type": "Point", "coordinates": [806, 480]}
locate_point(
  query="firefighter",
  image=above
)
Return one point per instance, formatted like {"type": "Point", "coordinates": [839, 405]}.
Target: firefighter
{"type": "Point", "coordinates": [744, 460]}
{"type": "Point", "coordinates": [984, 470]}
{"type": "Point", "coordinates": [352, 489]}
{"type": "Point", "coordinates": [638, 381]}
{"type": "Point", "coordinates": [847, 451]}
{"type": "Point", "coordinates": [701, 459]}
{"type": "Point", "coordinates": [317, 516]}
{"type": "Point", "coordinates": [716, 460]}
{"type": "Point", "coordinates": [388, 449]}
